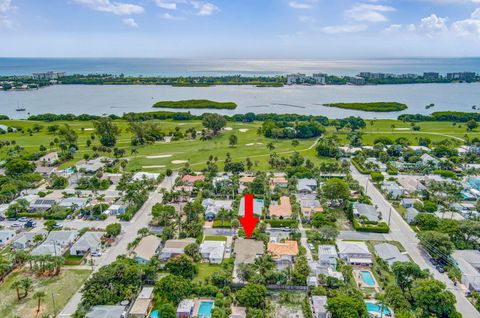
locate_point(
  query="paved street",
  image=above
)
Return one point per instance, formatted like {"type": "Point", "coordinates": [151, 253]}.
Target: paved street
{"type": "Point", "coordinates": [129, 232]}
{"type": "Point", "coordinates": [401, 232]}
{"type": "Point", "coordinates": [363, 236]}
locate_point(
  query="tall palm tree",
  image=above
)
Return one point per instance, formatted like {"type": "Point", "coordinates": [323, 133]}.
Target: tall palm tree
{"type": "Point", "coordinates": [27, 285]}
{"type": "Point", "coordinates": [40, 296]}
{"type": "Point", "coordinates": [17, 285]}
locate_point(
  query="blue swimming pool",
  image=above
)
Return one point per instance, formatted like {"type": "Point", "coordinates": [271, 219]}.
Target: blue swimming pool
{"type": "Point", "coordinates": [155, 314]}
{"type": "Point", "coordinates": [205, 309]}
{"type": "Point", "coordinates": [367, 278]}
{"type": "Point", "coordinates": [376, 308]}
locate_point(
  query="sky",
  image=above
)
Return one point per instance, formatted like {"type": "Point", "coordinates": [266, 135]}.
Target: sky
{"type": "Point", "coordinates": [240, 28]}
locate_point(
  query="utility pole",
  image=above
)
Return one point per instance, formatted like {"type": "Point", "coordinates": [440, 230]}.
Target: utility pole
{"type": "Point", "coordinates": [389, 216]}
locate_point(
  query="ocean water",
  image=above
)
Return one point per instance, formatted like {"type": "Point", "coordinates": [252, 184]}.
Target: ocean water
{"type": "Point", "coordinates": [198, 67]}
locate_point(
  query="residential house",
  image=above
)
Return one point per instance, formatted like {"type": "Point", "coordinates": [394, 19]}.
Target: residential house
{"type": "Point", "coordinates": [411, 184]}
{"type": "Point", "coordinates": [116, 209]}
{"type": "Point", "coordinates": [6, 236]}
{"type": "Point", "coordinates": [411, 215]}
{"type": "Point", "coordinates": [238, 312]}
{"type": "Point", "coordinates": [190, 180]}
{"type": "Point", "coordinates": [279, 181]}
{"type": "Point", "coordinates": [408, 202]}
{"type": "Point", "coordinates": [174, 248]}
{"type": "Point", "coordinates": [367, 211]}
{"type": "Point", "coordinates": [283, 253]}
{"type": "Point", "coordinates": [258, 205]}
{"type": "Point", "coordinates": [420, 148]}
{"type": "Point", "coordinates": [354, 253]}
{"type": "Point", "coordinates": [48, 160]}
{"type": "Point", "coordinates": [41, 205]}
{"type": "Point", "coordinates": [390, 253]}
{"type": "Point", "coordinates": [45, 171]}
{"type": "Point", "coordinates": [305, 186]}
{"type": "Point", "coordinates": [381, 166]}
{"type": "Point", "coordinates": [146, 248]}
{"type": "Point", "coordinates": [468, 262]}
{"type": "Point", "coordinates": [212, 207]}
{"type": "Point", "coordinates": [309, 205]}
{"type": "Point", "coordinates": [246, 251]}
{"type": "Point", "coordinates": [319, 306]}
{"type": "Point", "coordinates": [392, 189]}
{"type": "Point", "coordinates": [185, 308]}
{"type": "Point", "coordinates": [282, 210]}
{"type": "Point", "coordinates": [72, 202]}
{"type": "Point", "coordinates": [145, 176]}
{"type": "Point", "coordinates": [56, 243]}
{"type": "Point", "coordinates": [143, 303]}
{"type": "Point", "coordinates": [244, 182]}
{"type": "Point", "coordinates": [428, 160]}
{"type": "Point", "coordinates": [27, 239]}
{"type": "Point", "coordinates": [92, 166]}
{"type": "Point", "coordinates": [327, 256]}
{"type": "Point", "coordinates": [106, 311]}
{"type": "Point", "coordinates": [212, 251]}
{"type": "Point", "coordinates": [89, 242]}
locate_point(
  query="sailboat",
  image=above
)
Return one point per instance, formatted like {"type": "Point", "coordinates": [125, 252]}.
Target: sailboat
{"type": "Point", "coordinates": [20, 108]}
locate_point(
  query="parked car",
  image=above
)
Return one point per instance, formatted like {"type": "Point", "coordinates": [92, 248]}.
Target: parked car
{"type": "Point", "coordinates": [17, 225]}
{"type": "Point", "coordinates": [287, 229]}
{"type": "Point", "coordinates": [96, 254]}
{"type": "Point", "coordinates": [440, 269]}
{"type": "Point", "coordinates": [23, 219]}
{"type": "Point", "coordinates": [310, 246]}
{"type": "Point", "coordinates": [433, 261]}
{"type": "Point", "coordinates": [2, 218]}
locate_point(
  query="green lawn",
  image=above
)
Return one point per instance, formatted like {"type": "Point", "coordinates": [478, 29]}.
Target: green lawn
{"type": "Point", "coordinates": [61, 288]}
{"type": "Point", "coordinates": [159, 156]}
{"type": "Point", "coordinates": [215, 238]}
{"type": "Point", "coordinates": [206, 270]}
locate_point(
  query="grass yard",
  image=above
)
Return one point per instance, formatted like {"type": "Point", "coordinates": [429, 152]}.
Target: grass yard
{"type": "Point", "coordinates": [62, 287]}
{"type": "Point", "coordinates": [159, 156]}
{"type": "Point", "coordinates": [206, 270]}
{"type": "Point", "coordinates": [215, 238]}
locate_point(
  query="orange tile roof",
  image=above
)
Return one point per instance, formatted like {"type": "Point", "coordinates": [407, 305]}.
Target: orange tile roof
{"type": "Point", "coordinates": [284, 209]}
{"type": "Point", "coordinates": [246, 179]}
{"type": "Point", "coordinates": [191, 179]}
{"type": "Point", "coordinates": [278, 180]}
{"type": "Point", "coordinates": [288, 248]}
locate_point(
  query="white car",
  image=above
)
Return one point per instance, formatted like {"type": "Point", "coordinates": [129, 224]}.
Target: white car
{"type": "Point", "coordinates": [96, 254]}
{"type": "Point", "coordinates": [17, 225]}
{"type": "Point", "coordinates": [310, 246]}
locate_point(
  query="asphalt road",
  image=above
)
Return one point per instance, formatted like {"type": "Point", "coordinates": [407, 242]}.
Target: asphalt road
{"type": "Point", "coordinates": [129, 232]}
{"type": "Point", "coordinates": [400, 231]}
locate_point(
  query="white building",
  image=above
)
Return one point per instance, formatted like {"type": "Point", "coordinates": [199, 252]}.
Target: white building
{"type": "Point", "coordinates": [469, 264]}
{"type": "Point", "coordinates": [90, 242]}
{"type": "Point", "coordinates": [354, 253]}
{"type": "Point", "coordinates": [6, 236]}
{"type": "Point", "coordinates": [212, 251]}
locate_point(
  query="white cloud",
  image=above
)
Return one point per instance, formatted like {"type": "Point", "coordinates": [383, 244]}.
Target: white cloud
{"type": "Point", "coordinates": [476, 14]}
{"type": "Point", "coordinates": [468, 27]}
{"type": "Point", "coordinates": [205, 8]}
{"type": "Point", "coordinates": [130, 22]}
{"type": "Point", "coordinates": [455, 1]}
{"type": "Point", "coordinates": [348, 28]}
{"type": "Point", "coordinates": [117, 8]}
{"type": "Point", "coordinates": [168, 16]}
{"type": "Point", "coordinates": [369, 12]}
{"type": "Point", "coordinates": [170, 5]}
{"type": "Point", "coordinates": [299, 5]}
{"type": "Point", "coordinates": [394, 28]}
{"type": "Point", "coordinates": [5, 7]}
{"type": "Point", "coordinates": [433, 24]}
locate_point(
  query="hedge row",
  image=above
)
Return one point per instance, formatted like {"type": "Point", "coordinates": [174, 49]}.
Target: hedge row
{"type": "Point", "coordinates": [380, 228]}
{"type": "Point", "coordinates": [282, 223]}
{"type": "Point", "coordinates": [360, 167]}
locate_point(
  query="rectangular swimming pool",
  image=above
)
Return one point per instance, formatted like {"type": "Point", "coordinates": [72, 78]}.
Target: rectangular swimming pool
{"type": "Point", "coordinates": [205, 309]}
{"type": "Point", "coordinates": [376, 308]}
{"type": "Point", "coordinates": [367, 278]}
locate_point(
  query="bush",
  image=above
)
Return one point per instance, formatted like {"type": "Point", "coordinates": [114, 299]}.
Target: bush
{"type": "Point", "coordinates": [381, 227]}
{"type": "Point", "coordinates": [360, 167]}
{"type": "Point", "coordinates": [218, 224]}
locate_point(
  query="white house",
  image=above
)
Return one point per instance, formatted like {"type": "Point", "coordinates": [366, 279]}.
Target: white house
{"type": "Point", "coordinates": [6, 236]}
{"type": "Point", "coordinates": [327, 255]}
{"type": "Point", "coordinates": [89, 242]}
{"type": "Point", "coordinates": [212, 251]}
{"type": "Point", "coordinates": [411, 215]}
{"type": "Point", "coordinates": [390, 253]}
{"type": "Point", "coordinates": [212, 207]}
{"type": "Point", "coordinates": [307, 186]}
{"type": "Point", "coordinates": [354, 253]}
{"type": "Point", "coordinates": [429, 160]}
{"type": "Point", "coordinates": [174, 248]}
{"type": "Point", "coordinates": [319, 306]}
{"type": "Point", "coordinates": [27, 239]}
{"type": "Point", "coordinates": [469, 264]}
{"type": "Point", "coordinates": [367, 211]}
{"type": "Point", "coordinates": [393, 189]}
{"type": "Point", "coordinates": [56, 243]}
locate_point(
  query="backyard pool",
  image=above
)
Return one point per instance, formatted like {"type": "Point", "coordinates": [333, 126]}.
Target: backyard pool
{"type": "Point", "coordinates": [377, 309]}
{"type": "Point", "coordinates": [367, 278]}
{"type": "Point", "coordinates": [155, 314]}
{"type": "Point", "coordinates": [205, 309]}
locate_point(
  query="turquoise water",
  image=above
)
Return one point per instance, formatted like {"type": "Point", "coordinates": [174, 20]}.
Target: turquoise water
{"type": "Point", "coordinates": [155, 314]}
{"type": "Point", "coordinates": [205, 309]}
{"type": "Point", "coordinates": [367, 278]}
{"type": "Point", "coordinates": [371, 307]}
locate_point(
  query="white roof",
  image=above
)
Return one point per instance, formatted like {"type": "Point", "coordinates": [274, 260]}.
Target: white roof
{"type": "Point", "coordinates": [88, 240]}
{"type": "Point", "coordinates": [215, 249]}
{"type": "Point", "coordinates": [346, 247]}
{"type": "Point", "coordinates": [329, 250]}
{"type": "Point", "coordinates": [147, 247]}
{"type": "Point", "coordinates": [390, 253]}
{"type": "Point", "coordinates": [145, 175]}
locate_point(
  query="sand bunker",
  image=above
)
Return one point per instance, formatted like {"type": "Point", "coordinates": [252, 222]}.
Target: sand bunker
{"type": "Point", "coordinates": [177, 162]}
{"type": "Point", "coordinates": [402, 129]}
{"type": "Point", "coordinates": [158, 156]}
{"type": "Point", "coordinates": [228, 128]}
{"type": "Point", "coordinates": [249, 144]}
{"type": "Point", "coordinates": [243, 130]}
{"type": "Point", "coordinates": [88, 129]}
{"type": "Point", "coordinates": [153, 167]}
{"type": "Point", "coordinates": [252, 144]}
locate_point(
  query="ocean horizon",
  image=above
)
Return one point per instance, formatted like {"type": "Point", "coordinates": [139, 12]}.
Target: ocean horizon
{"type": "Point", "coordinates": [225, 67]}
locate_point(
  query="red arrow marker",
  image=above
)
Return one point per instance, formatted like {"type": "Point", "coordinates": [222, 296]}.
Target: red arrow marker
{"type": "Point", "coordinates": [248, 221]}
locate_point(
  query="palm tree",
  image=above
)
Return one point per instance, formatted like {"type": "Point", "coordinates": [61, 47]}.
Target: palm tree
{"type": "Point", "coordinates": [16, 285]}
{"type": "Point", "coordinates": [27, 285]}
{"type": "Point", "coordinates": [270, 146]}
{"type": "Point", "coordinates": [39, 295]}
